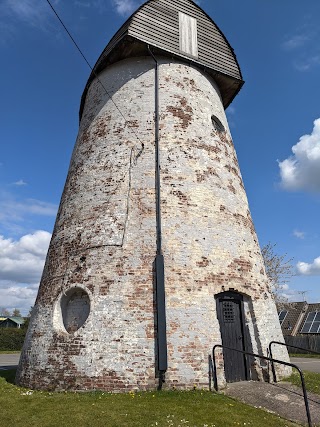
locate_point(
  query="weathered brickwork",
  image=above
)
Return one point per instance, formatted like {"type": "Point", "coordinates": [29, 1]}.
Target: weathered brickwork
{"type": "Point", "coordinates": [104, 242]}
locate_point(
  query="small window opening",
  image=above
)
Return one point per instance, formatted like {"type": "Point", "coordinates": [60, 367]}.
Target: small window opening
{"type": "Point", "coordinates": [217, 124]}
{"type": "Point", "coordinates": [75, 309]}
{"type": "Point", "coordinates": [228, 312]}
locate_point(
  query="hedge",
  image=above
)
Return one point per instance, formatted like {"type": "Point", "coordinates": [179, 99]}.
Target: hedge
{"type": "Point", "coordinates": [11, 338]}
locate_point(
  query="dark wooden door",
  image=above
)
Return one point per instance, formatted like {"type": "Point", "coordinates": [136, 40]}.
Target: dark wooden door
{"type": "Point", "coordinates": [229, 309]}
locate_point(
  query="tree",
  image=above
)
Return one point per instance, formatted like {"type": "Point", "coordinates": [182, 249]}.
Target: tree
{"type": "Point", "coordinates": [27, 319]}
{"type": "Point", "coordinates": [25, 325]}
{"type": "Point", "coordinates": [16, 313]}
{"type": "Point", "coordinates": [279, 270]}
{"type": "Point", "coordinates": [4, 312]}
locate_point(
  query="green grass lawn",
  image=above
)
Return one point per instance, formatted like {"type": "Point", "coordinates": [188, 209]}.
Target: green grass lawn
{"type": "Point", "coordinates": [312, 381]}
{"type": "Point", "coordinates": [9, 352]}
{"type": "Point", "coordinates": [26, 408]}
{"type": "Point", "coordinates": [308, 355]}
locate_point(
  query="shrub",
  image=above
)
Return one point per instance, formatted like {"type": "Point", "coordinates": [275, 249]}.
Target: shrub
{"type": "Point", "coordinates": [11, 339]}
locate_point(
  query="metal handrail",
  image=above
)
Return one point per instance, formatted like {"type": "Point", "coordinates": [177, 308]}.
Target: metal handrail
{"type": "Point", "coordinates": [270, 360]}
{"type": "Point", "coordinates": [286, 345]}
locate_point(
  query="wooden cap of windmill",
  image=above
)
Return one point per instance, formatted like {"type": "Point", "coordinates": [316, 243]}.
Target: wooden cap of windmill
{"type": "Point", "coordinates": [191, 36]}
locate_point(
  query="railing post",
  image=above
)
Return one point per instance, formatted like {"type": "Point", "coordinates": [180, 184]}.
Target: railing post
{"type": "Point", "coordinates": [210, 371]}
{"type": "Point", "coordinates": [272, 364]}
{"type": "Point", "coordinates": [215, 378]}
{"type": "Point", "coordinates": [305, 396]}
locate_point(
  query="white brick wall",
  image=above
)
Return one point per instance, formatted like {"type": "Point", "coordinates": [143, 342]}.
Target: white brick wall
{"type": "Point", "coordinates": [105, 238]}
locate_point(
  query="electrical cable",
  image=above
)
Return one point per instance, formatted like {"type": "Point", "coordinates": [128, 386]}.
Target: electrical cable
{"type": "Point", "coordinates": [93, 71]}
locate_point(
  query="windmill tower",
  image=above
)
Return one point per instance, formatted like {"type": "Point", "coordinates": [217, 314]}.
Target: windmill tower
{"type": "Point", "coordinates": [154, 258]}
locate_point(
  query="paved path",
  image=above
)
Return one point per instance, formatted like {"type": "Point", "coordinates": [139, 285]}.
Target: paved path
{"type": "Point", "coordinates": [282, 398]}
{"type": "Point", "coordinates": [306, 364]}
{"type": "Point", "coordinates": [9, 361]}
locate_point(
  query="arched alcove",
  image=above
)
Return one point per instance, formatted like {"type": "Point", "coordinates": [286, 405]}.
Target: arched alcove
{"type": "Point", "coordinates": [75, 308]}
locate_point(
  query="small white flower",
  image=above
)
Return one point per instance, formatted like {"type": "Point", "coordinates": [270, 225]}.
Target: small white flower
{"type": "Point", "coordinates": [27, 393]}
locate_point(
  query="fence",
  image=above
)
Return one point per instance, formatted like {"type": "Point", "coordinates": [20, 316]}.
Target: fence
{"type": "Point", "coordinates": [311, 342]}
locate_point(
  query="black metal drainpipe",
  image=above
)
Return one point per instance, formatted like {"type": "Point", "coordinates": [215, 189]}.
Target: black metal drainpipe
{"type": "Point", "coordinates": [162, 356]}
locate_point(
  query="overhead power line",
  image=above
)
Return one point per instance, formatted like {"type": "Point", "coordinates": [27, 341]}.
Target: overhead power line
{"type": "Point", "coordinates": [93, 71]}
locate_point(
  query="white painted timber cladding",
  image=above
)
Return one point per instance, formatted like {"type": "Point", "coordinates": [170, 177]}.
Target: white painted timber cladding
{"type": "Point", "coordinates": [188, 34]}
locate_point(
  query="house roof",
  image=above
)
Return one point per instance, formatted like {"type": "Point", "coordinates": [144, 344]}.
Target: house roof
{"type": "Point", "coordinates": [19, 320]}
{"type": "Point", "coordinates": [311, 308]}
{"type": "Point", "coordinates": [296, 315]}
{"type": "Point", "coordinates": [156, 24]}
{"type": "Point", "coordinates": [295, 312]}
{"type": "Point", "coordinates": [15, 319]}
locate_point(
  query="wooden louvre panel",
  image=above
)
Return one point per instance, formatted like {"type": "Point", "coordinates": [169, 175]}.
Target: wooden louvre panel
{"type": "Point", "coordinates": [188, 34]}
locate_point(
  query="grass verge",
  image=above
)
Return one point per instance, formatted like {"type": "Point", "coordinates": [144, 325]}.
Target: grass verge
{"type": "Point", "coordinates": [308, 355]}
{"type": "Point", "coordinates": [312, 380]}
{"type": "Point", "coordinates": [9, 352]}
{"type": "Point", "coordinates": [21, 407]}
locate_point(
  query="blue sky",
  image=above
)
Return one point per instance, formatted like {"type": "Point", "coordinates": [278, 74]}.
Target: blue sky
{"type": "Point", "coordinates": [275, 124]}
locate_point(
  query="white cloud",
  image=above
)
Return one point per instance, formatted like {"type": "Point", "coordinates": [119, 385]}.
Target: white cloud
{"type": "Point", "coordinates": [126, 7]}
{"type": "Point", "coordinates": [16, 13]}
{"type": "Point", "coordinates": [38, 207]}
{"type": "Point", "coordinates": [305, 64]}
{"type": "Point", "coordinates": [301, 171]}
{"type": "Point", "coordinates": [23, 260]}
{"type": "Point", "coordinates": [31, 12]}
{"type": "Point", "coordinates": [231, 110]}
{"type": "Point", "coordinates": [296, 41]}
{"type": "Point", "coordinates": [312, 269]}
{"type": "Point", "coordinates": [299, 234]}
{"type": "Point", "coordinates": [285, 294]}
{"type": "Point", "coordinates": [21, 265]}
{"type": "Point", "coordinates": [289, 296]}
{"type": "Point", "coordinates": [304, 47]}
{"type": "Point", "coordinates": [13, 296]}
{"type": "Point", "coordinates": [231, 116]}
{"type": "Point", "coordinates": [20, 216]}
{"type": "Point", "coordinates": [13, 210]}
{"type": "Point", "coordinates": [20, 183]}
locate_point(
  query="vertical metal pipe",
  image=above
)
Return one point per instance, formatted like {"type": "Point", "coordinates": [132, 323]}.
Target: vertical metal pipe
{"type": "Point", "coordinates": [161, 316]}
{"type": "Point", "coordinates": [272, 365]}
{"type": "Point", "coordinates": [157, 149]}
{"type": "Point", "coordinates": [162, 356]}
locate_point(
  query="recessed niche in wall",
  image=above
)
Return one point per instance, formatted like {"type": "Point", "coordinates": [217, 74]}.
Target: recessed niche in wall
{"type": "Point", "coordinates": [217, 124]}
{"type": "Point", "coordinates": [75, 308]}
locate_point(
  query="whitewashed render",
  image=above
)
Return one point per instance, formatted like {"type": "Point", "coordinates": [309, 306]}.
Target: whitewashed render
{"type": "Point", "coordinates": [94, 322]}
